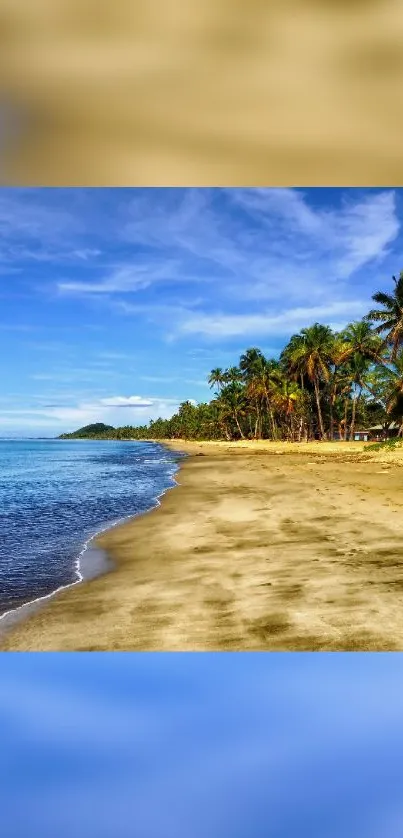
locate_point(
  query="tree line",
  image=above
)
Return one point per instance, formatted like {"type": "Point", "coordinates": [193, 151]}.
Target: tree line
{"type": "Point", "coordinates": [325, 384]}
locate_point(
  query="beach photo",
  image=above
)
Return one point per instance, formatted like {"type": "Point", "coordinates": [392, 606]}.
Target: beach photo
{"type": "Point", "coordinates": [201, 419]}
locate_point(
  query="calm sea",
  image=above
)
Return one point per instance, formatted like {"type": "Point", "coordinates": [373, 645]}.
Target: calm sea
{"type": "Point", "coordinates": [55, 495]}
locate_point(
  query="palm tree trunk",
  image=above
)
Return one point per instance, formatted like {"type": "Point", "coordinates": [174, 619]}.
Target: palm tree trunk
{"type": "Point", "coordinates": [258, 425]}
{"type": "Point", "coordinates": [353, 412]}
{"type": "Point", "coordinates": [238, 426]}
{"type": "Point", "coordinates": [331, 419]}
{"type": "Point", "coordinates": [292, 427]}
{"type": "Point", "coordinates": [320, 418]}
{"type": "Point", "coordinates": [345, 419]}
{"type": "Point", "coordinates": [271, 415]}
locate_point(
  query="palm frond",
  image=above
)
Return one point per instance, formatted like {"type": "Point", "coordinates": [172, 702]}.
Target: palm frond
{"type": "Point", "coordinates": [376, 315]}
{"type": "Point", "coordinates": [384, 299]}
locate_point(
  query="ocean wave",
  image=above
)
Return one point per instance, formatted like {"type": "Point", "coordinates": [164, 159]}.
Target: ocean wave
{"type": "Point", "coordinates": [40, 532]}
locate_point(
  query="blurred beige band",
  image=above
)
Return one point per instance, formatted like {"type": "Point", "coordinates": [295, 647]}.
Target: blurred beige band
{"type": "Point", "coordinates": [288, 92]}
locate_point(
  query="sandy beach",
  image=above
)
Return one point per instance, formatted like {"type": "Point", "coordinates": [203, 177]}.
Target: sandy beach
{"type": "Point", "coordinates": [261, 546]}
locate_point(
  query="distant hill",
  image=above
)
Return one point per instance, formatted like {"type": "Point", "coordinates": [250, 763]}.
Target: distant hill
{"type": "Point", "coordinates": [95, 431]}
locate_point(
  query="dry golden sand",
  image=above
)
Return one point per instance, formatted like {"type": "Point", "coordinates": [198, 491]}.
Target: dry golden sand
{"type": "Point", "coordinates": [278, 547]}
{"type": "Point", "coordinates": [144, 92]}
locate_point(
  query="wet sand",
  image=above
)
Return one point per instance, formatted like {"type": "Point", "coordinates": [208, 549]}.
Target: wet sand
{"type": "Point", "coordinates": [259, 547]}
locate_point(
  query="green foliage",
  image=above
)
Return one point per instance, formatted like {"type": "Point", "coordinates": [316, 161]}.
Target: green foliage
{"type": "Point", "coordinates": [390, 316]}
{"type": "Point", "coordinates": [324, 383]}
{"type": "Point", "coordinates": [386, 445]}
{"type": "Point", "coordinates": [95, 431]}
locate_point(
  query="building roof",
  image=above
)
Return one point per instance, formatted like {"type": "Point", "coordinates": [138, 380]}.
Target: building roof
{"type": "Point", "coordinates": [392, 426]}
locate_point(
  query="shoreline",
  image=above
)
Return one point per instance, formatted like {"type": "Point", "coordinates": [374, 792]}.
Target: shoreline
{"type": "Point", "coordinates": [15, 616]}
{"type": "Point", "coordinates": [203, 573]}
{"type": "Point", "coordinates": [90, 550]}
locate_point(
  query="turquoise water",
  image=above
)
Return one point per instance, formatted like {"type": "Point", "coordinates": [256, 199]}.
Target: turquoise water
{"type": "Point", "coordinates": [55, 495]}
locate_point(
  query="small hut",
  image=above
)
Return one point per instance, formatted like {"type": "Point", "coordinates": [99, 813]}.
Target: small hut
{"type": "Point", "coordinates": [379, 432]}
{"type": "Point", "coordinates": [362, 435]}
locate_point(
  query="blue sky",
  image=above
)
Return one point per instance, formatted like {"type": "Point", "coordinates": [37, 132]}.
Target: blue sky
{"type": "Point", "coordinates": [116, 303]}
{"type": "Point", "coordinates": [189, 745]}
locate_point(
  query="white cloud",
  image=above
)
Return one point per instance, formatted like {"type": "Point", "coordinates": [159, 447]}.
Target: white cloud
{"type": "Point", "coordinates": [351, 236]}
{"type": "Point", "coordinates": [273, 203]}
{"type": "Point", "coordinates": [158, 379]}
{"type": "Point", "coordinates": [25, 214]}
{"type": "Point", "coordinates": [365, 230]}
{"type": "Point", "coordinates": [113, 410]}
{"type": "Point", "coordinates": [87, 253]}
{"type": "Point", "coordinates": [222, 325]}
{"type": "Point", "coordinates": [265, 263]}
{"type": "Point", "coordinates": [277, 246]}
{"type": "Point", "coordinates": [290, 251]}
{"type": "Point", "coordinates": [126, 401]}
{"type": "Point", "coordinates": [130, 278]}
{"type": "Point", "coordinates": [358, 231]}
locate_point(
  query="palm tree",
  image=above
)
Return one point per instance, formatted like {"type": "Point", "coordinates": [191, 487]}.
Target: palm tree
{"type": "Point", "coordinates": [286, 397]}
{"type": "Point", "coordinates": [359, 338]}
{"type": "Point", "coordinates": [232, 375]}
{"type": "Point", "coordinates": [358, 371]}
{"type": "Point", "coordinates": [311, 353]}
{"type": "Point", "coordinates": [390, 316]}
{"type": "Point", "coordinates": [251, 361]}
{"type": "Point", "coordinates": [261, 377]}
{"type": "Point", "coordinates": [219, 418]}
{"type": "Point", "coordinates": [271, 379]}
{"type": "Point", "coordinates": [232, 401]}
{"type": "Point", "coordinates": [217, 378]}
{"type": "Point", "coordinates": [339, 389]}
{"type": "Point", "coordinates": [394, 390]}
{"type": "Point", "coordinates": [252, 364]}
{"type": "Point", "coordinates": [360, 346]}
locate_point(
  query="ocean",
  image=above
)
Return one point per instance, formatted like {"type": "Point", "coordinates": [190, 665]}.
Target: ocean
{"type": "Point", "coordinates": [56, 495]}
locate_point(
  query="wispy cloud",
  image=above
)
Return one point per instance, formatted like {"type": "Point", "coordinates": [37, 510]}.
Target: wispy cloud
{"type": "Point", "coordinates": [77, 374]}
{"type": "Point", "coordinates": [352, 235]}
{"type": "Point", "coordinates": [197, 222]}
{"type": "Point", "coordinates": [239, 243]}
{"type": "Point", "coordinates": [125, 279]}
{"type": "Point", "coordinates": [87, 253]}
{"type": "Point", "coordinates": [57, 416]}
{"type": "Point", "coordinates": [268, 245]}
{"type": "Point", "coordinates": [223, 325]}
{"type": "Point", "coordinates": [126, 401]}
{"type": "Point", "coordinates": [158, 379]}
{"type": "Point", "coordinates": [119, 286]}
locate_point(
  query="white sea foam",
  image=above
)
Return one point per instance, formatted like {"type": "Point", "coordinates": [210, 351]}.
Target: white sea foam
{"type": "Point", "coordinates": [14, 615]}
